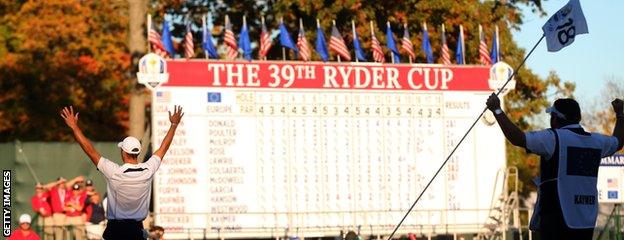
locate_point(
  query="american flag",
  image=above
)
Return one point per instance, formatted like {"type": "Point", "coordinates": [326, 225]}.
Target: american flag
{"type": "Point", "coordinates": [406, 43]}
{"type": "Point", "coordinates": [612, 183]}
{"type": "Point", "coordinates": [446, 56]}
{"type": "Point", "coordinates": [154, 39]}
{"type": "Point", "coordinates": [265, 41]}
{"type": "Point", "coordinates": [163, 97]}
{"type": "Point", "coordinates": [378, 54]}
{"type": "Point", "coordinates": [189, 50]}
{"type": "Point", "coordinates": [302, 44]}
{"type": "Point", "coordinates": [337, 44]}
{"type": "Point", "coordinates": [230, 40]}
{"type": "Point", "coordinates": [484, 54]}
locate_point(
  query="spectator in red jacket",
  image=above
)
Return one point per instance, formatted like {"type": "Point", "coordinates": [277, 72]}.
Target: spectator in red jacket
{"type": "Point", "coordinates": [95, 216]}
{"type": "Point", "coordinates": [24, 232]}
{"type": "Point", "coordinates": [41, 205]}
{"type": "Point", "coordinates": [74, 210]}
{"type": "Point", "coordinates": [58, 195]}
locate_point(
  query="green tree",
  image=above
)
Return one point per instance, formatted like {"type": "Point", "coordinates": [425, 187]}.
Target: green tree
{"type": "Point", "coordinates": [56, 53]}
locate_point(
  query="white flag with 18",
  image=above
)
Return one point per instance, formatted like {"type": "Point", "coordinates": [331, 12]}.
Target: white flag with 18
{"type": "Point", "coordinates": [564, 25]}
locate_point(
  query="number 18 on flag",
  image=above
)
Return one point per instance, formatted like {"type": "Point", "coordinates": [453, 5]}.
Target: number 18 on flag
{"type": "Point", "coordinates": [564, 25]}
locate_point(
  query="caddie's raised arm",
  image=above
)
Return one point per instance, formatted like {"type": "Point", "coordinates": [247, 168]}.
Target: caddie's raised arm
{"type": "Point", "coordinates": [618, 129]}
{"type": "Point", "coordinates": [175, 119]}
{"type": "Point", "coordinates": [71, 119]}
{"type": "Point", "coordinates": [510, 130]}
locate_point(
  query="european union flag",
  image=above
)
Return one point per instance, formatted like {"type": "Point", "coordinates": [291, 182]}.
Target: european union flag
{"type": "Point", "coordinates": [321, 45]}
{"type": "Point", "coordinates": [244, 41]}
{"type": "Point", "coordinates": [459, 52]}
{"type": "Point", "coordinates": [359, 53]}
{"type": "Point", "coordinates": [494, 51]}
{"type": "Point", "coordinates": [426, 46]}
{"type": "Point", "coordinates": [207, 43]}
{"type": "Point", "coordinates": [166, 39]}
{"type": "Point", "coordinates": [285, 39]}
{"type": "Point", "coordinates": [612, 194]}
{"type": "Point", "coordinates": [391, 44]}
{"type": "Point", "coordinates": [214, 97]}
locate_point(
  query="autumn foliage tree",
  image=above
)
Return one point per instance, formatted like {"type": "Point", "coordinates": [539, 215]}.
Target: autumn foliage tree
{"type": "Point", "coordinates": [56, 53]}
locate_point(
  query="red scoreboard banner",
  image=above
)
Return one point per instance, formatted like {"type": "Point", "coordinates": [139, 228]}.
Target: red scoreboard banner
{"type": "Point", "coordinates": [320, 75]}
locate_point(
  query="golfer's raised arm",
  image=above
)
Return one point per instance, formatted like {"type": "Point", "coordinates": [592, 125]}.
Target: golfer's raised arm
{"type": "Point", "coordinates": [618, 129]}
{"type": "Point", "coordinates": [175, 120]}
{"type": "Point", "coordinates": [71, 120]}
{"type": "Point", "coordinates": [510, 130]}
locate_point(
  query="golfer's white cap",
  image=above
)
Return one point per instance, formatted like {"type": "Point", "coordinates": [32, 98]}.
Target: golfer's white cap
{"type": "Point", "coordinates": [130, 145]}
{"type": "Point", "coordinates": [24, 218]}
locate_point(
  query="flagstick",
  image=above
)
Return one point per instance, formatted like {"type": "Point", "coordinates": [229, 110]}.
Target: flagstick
{"type": "Point", "coordinates": [462, 139]}
{"type": "Point", "coordinates": [353, 26]}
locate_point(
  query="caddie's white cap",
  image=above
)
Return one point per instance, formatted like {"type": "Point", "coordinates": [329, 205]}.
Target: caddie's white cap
{"type": "Point", "coordinates": [130, 145]}
{"type": "Point", "coordinates": [24, 218]}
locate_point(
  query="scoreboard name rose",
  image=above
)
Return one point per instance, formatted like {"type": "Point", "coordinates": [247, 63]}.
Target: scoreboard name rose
{"type": "Point", "coordinates": [367, 76]}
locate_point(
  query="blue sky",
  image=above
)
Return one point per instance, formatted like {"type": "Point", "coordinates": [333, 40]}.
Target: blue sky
{"type": "Point", "coordinates": [591, 58]}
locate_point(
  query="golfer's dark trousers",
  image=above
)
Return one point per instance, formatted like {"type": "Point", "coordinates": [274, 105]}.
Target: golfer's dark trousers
{"type": "Point", "coordinates": [126, 229]}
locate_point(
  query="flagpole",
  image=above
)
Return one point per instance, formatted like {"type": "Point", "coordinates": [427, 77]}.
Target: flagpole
{"type": "Point", "coordinates": [443, 38]}
{"type": "Point", "coordinates": [264, 58]}
{"type": "Point", "coordinates": [353, 26]}
{"type": "Point", "coordinates": [391, 52]}
{"type": "Point", "coordinates": [464, 137]}
{"type": "Point", "coordinates": [283, 49]}
{"type": "Point", "coordinates": [410, 56]}
{"type": "Point", "coordinates": [461, 32]}
{"type": "Point", "coordinates": [205, 28]}
{"type": "Point", "coordinates": [337, 55]}
{"type": "Point", "coordinates": [372, 35]}
{"type": "Point", "coordinates": [498, 53]}
{"type": "Point", "coordinates": [481, 39]}
{"type": "Point", "coordinates": [300, 28]}
{"type": "Point", "coordinates": [149, 26]}
{"type": "Point", "coordinates": [244, 26]}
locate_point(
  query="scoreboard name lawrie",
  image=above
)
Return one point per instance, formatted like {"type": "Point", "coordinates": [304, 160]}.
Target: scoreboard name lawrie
{"type": "Point", "coordinates": [318, 75]}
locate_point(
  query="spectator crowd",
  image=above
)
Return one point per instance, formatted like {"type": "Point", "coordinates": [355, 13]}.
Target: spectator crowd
{"type": "Point", "coordinates": [69, 209]}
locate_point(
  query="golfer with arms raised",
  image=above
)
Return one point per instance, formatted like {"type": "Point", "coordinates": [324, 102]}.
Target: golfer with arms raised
{"type": "Point", "coordinates": [129, 186]}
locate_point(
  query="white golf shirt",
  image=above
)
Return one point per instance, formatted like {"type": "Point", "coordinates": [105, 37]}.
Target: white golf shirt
{"type": "Point", "coordinates": [129, 187]}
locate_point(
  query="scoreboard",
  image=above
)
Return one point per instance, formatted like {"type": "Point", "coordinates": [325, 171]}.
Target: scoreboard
{"type": "Point", "coordinates": [278, 145]}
